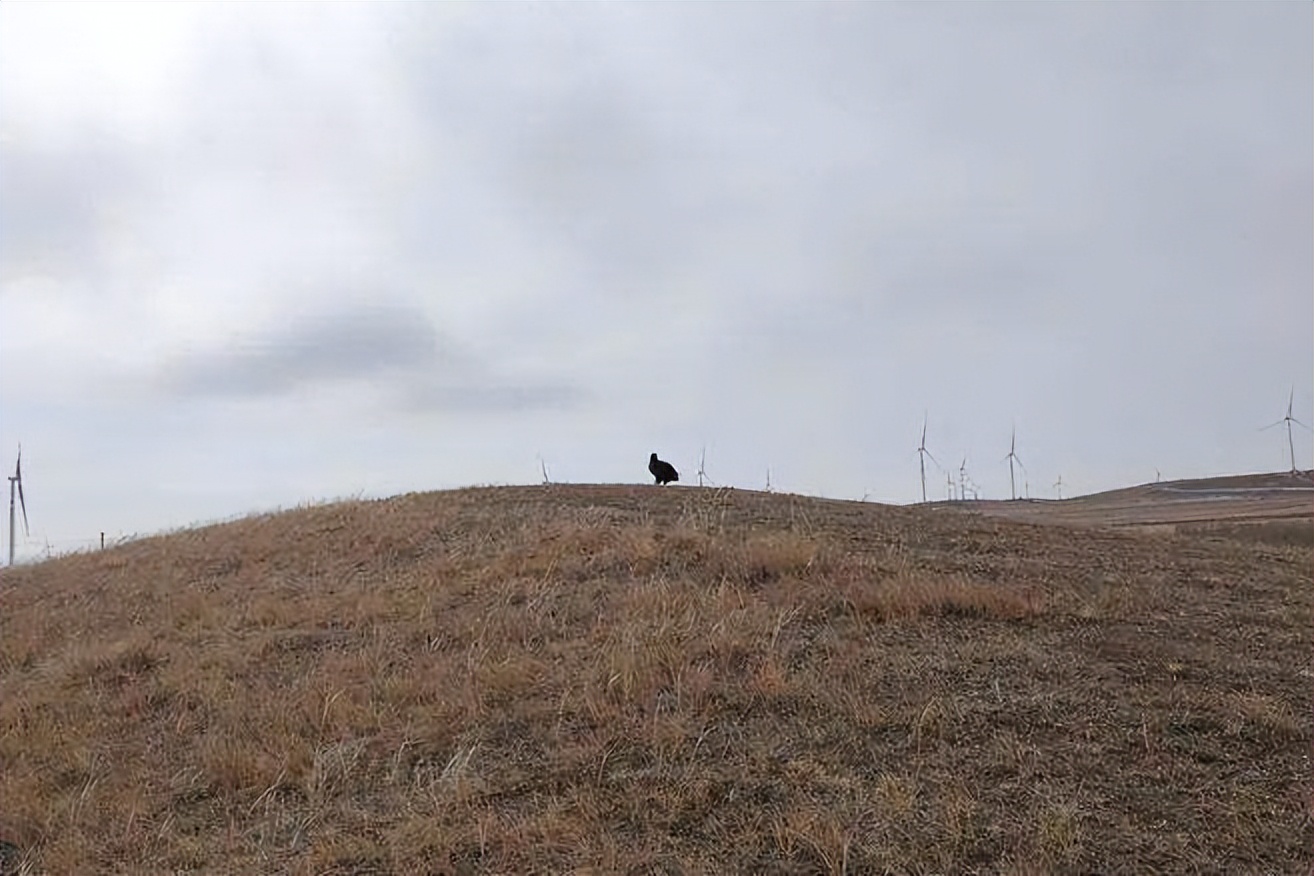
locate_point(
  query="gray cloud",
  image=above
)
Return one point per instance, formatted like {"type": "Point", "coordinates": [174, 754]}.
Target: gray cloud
{"type": "Point", "coordinates": [56, 207]}
{"type": "Point", "coordinates": [394, 348]}
{"type": "Point", "coordinates": [492, 396]}
{"type": "Point", "coordinates": [361, 344]}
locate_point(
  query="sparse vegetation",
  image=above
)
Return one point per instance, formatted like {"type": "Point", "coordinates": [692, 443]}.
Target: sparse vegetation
{"type": "Point", "coordinates": [615, 679]}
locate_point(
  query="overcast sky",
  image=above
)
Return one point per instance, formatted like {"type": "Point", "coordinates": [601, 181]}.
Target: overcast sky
{"type": "Point", "coordinates": [254, 255]}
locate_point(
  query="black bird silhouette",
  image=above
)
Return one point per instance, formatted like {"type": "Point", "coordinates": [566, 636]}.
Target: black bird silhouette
{"type": "Point", "coordinates": [664, 472]}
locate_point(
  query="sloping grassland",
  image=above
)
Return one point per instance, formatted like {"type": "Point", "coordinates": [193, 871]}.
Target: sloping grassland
{"type": "Point", "coordinates": [621, 679]}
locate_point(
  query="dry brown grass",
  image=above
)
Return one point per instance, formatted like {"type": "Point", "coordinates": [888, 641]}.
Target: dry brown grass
{"type": "Point", "coordinates": [617, 679]}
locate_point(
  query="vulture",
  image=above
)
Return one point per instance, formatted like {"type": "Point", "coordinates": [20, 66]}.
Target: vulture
{"type": "Point", "coordinates": [664, 472]}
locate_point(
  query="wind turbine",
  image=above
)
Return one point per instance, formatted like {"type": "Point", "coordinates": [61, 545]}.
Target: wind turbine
{"type": "Point", "coordinates": [16, 479]}
{"type": "Point", "coordinates": [1012, 456]}
{"type": "Point", "coordinates": [1288, 419]}
{"type": "Point", "coordinates": [922, 453]}
{"type": "Point", "coordinates": [1058, 485]}
{"type": "Point", "coordinates": [702, 469]}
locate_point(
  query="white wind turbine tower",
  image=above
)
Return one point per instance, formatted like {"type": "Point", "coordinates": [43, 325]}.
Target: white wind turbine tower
{"type": "Point", "coordinates": [1011, 458]}
{"type": "Point", "coordinates": [1288, 419]}
{"type": "Point", "coordinates": [702, 468]}
{"type": "Point", "coordinates": [16, 479]}
{"type": "Point", "coordinates": [1058, 485]}
{"type": "Point", "coordinates": [966, 484]}
{"type": "Point", "coordinates": [922, 453]}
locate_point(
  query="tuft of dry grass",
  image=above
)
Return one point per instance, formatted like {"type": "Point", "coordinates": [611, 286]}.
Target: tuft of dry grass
{"type": "Point", "coordinates": [616, 679]}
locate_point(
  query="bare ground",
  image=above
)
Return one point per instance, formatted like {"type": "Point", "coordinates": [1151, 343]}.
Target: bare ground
{"type": "Point", "coordinates": [638, 679]}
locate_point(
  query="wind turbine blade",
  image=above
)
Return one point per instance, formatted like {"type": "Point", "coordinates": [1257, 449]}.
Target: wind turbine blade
{"type": "Point", "coordinates": [1271, 425]}
{"type": "Point", "coordinates": [23, 502]}
{"type": "Point", "coordinates": [934, 460]}
{"type": "Point", "coordinates": [1290, 401]}
{"type": "Point", "coordinates": [1298, 423]}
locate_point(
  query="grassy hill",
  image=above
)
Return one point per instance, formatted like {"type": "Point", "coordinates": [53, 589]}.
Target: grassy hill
{"type": "Point", "coordinates": [620, 679]}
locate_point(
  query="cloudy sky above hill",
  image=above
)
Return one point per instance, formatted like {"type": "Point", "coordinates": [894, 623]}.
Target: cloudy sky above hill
{"type": "Point", "coordinates": [253, 255]}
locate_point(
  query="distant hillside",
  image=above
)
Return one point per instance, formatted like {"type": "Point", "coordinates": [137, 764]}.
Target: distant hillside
{"type": "Point", "coordinates": [1281, 480]}
{"type": "Point", "coordinates": [1220, 500]}
{"type": "Point", "coordinates": [622, 679]}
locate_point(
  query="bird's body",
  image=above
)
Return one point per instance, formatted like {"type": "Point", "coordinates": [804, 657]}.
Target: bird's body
{"type": "Point", "coordinates": [662, 472]}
